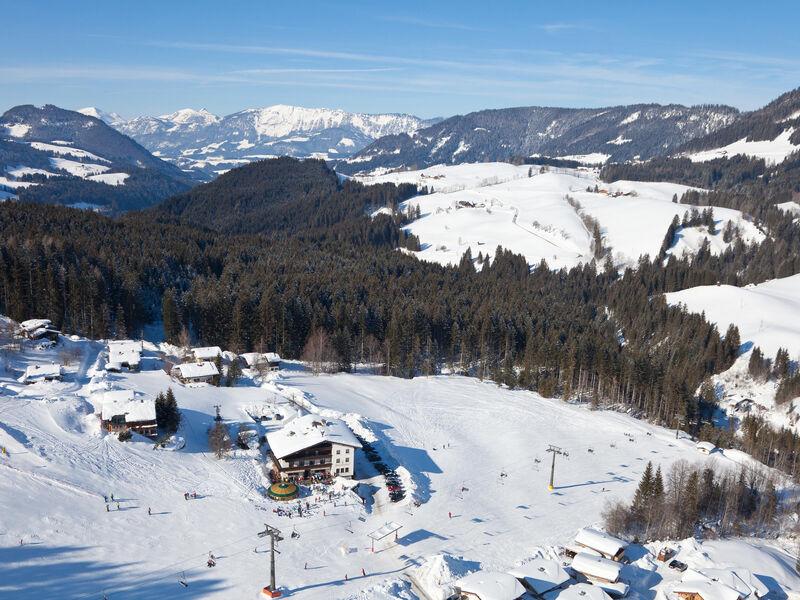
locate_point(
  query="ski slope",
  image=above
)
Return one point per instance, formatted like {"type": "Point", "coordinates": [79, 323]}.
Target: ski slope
{"type": "Point", "coordinates": [772, 151]}
{"type": "Point", "coordinates": [481, 206]}
{"type": "Point", "coordinates": [462, 447]}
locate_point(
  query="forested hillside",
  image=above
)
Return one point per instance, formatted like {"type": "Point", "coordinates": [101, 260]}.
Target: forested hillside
{"type": "Point", "coordinates": [586, 332]}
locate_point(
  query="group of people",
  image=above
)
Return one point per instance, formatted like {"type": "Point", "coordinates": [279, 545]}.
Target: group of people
{"type": "Point", "coordinates": [187, 495]}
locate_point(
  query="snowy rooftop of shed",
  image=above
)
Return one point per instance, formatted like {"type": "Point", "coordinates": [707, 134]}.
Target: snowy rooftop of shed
{"type": "Point", "coordinates": [600, 541]}
{"type": "Point", "coordinates": [705, 447]}
{"type": "Point", "coordinates": [491, 586]}
{"type": "Point", "coordinates": [307, 431]}
{"type": "Point", "coordinates": [541, 574]}
{"type": "Point", "coordinates": [742, 580]}
{"type": "Point", "coordinates": [207, 352]}
{"type": "Point", "coordinates": [122, 402]}
{"type": "Point", "coordinates": [707, 590]}
{"type": "Point", "coordinates": [582, 591]}
{"type": "Point", "coordinates": [34, 324]}
{"type": "Point", "coordinates": [124, 346]}
{"type": "Point", "coordinates": [272, 357]}
{"type": "Point", "coordinates": [200, 369]}
{"type": "Point", "coordinates": [34, 371]}
{"type": "Point", "coordinates": [131, 357]}
{"type": "Point", "coordinates": [596, 566]}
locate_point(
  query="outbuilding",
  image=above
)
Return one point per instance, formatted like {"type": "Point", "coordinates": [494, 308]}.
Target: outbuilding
{"type": "Point", "coordinates": [206, 353]}
{"type": "Point", "coordinates": [39, 329]}
{"type": "Point", "coordinates": [697, 589]}
{"type": "Point", "coordinates": [602, 572]}
{"type": "Point", "coordinates": [705, 447]}
{"type": "Point", "coordinates": [36, 373]}
{"type": "Point", "coordinates": [541, 575]}
{"type": "Point", "coordinates": [126, 354]}
{"type": "Point", "coordinates": [600, 541]}
{"type": "Point", "coordinates": [582, 591]}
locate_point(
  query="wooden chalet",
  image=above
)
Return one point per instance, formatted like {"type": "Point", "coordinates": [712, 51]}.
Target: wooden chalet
{"type": "Point", "coordinates": [601, 542]}
{"type": "Point", "coordinates": [39, 329]}
{"type": "Point", "coordinates": [486, 585]}
{"type": "Point", "coordinates": [206, 353]}
{"type": "Point", "coordinates": [310, 446]}
{"type": "Point", "coordinates": [706, 590]}
{"type": "Point", "coordinates": [126, 354]}
{"type": "Point", "coordinates": [37, 373]}
{"type": "Point", "coordinates": [122, 410]}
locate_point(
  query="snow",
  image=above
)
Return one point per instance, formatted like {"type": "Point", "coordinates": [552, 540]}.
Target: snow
{"type": "Point", "coordinates": [619, 140]}
{"type": "Point", "coordinates": [37, 372]}
{"type": "Point", "coordinates": [766, 313]}
{"type": "Point", "coordinates": [541, 575]}
{"type": "Point", "coordinates": [207, 352]}
{"type": "Point", "coordinates": [707, 590]}
{"type": "Point", "coordinates": [34, 324]}
{"type": "Point", "coordinates": [741, 580]}
{"type": "Point", "coordinates": [594, 158]}
{"type": "Point", "coordinates": [491, 586]}
{"type": "Point", "coordinates": [110, 178]}
{"type": "Point", "coordinates": [772, 151]}
{"type": "Point", "coordinates": [18, 130]}
{"type": "Point", "coordinates": [480, 206]}
{"type": "Point", "coordinates": [790, 207]}
{"type": "Point", "coordinates": [21, 170]}
{"type": "Point", "coordinates": [596, 567]}
{"type": "Point", "coordinates": [123, 402]}
{"type": "Point", "coordinates": [67, 151]}
{"type": "Point", "coordinates": [447, 437]}
{"type": "Point", "coordinates": [307, 431]}
{"type": "Point", "coordinates": [78, 169]}
{"type": "Point", "coordinates": [14, 185]}
{"type": "Point", "coordinates": [705, 447]}
{"type": "Point", "coordinates": [111, 118]}
{"type": "Point", "coordinates": [581, 591]}
{"type": "Point", "coordinates": [630, 119]}
{"type": "Point", "coordinates": [600, 541]}
{"type": "Point", "coordinates": [198, 369]}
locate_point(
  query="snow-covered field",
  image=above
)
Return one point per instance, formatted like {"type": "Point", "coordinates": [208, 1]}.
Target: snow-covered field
{"type": "Point", "coordinates": [472, 454]}
{"type": "Point", "coordinates": [481, 206]}
{"type": "Point", "coordinates": [772, 151]}
{"type": "Point", "coordinates": [766, 314]}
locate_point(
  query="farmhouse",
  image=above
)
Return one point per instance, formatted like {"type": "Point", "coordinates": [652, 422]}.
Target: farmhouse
{"type": "Point", "coordinates": [206, 353]}
{"type": "Point", "coordinates": [599, 541]}
{"type": "Point", "coordinates": [602, 572]}
{"type": "Point", "coordinates": [122, 410]}
{"type": "Point", "coordinates": [126, 354]}
{"type": "Point", "coordinates": [697, 589]}
{"type": "Point", "coordinates": [39, 329]}
{"type": "Point", "coordinates": [199, 372]}
{"type": "Point", "coordinates": [310, 445]}
{"type": "Point", "coordinates": [483, 585]}
{"type": "Point", "coordinates": [36, 373]}
{"type": "Point", "coordinates": [541, 575]}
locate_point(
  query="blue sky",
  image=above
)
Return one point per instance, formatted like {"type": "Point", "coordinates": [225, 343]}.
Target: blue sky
{"type": "Point", "coordinates": [426, 58]}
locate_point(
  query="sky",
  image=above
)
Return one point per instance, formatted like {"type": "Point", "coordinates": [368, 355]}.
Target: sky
{"type": "Point", "coordinates": [434, 58]}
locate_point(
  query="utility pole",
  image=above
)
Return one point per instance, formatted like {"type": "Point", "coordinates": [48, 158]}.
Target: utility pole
{"type": "Point", "coordinates": [274, 536]}
{"type": "Point", "coordinates": [555, 450]}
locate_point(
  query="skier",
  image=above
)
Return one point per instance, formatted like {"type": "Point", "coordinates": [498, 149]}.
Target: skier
{"type": "Point", "coordinates": [117, 505]}
{"type": "Point", "coordinates": [107, 510]}
{"type": "Point", "coordinates": [105, 498]}
{"type": "Point", "coordinates": [194, 495]}
{"type": "Point", "coordinates": [345, 576]}
{"type": "Point", "coordinates": [148, 511]}
{"type": "Point", "coordinates": [186, 495]}
{"type": "Point", "coordinates": [112, 497]}
{"type": "Point", "coordinates": [363, 573]}
{"type": "Point", "coordinates": [450, 515]}
{"type": "Point", "coordinates": [305, 566]}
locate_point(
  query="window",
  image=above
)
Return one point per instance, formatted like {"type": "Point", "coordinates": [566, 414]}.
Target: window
{"type": "Point", "coordinates": [338, 451]}
{"type": "Point", "coordinates": [347, 450]}
{"type": "Point", "coordinates": [346, 459]}
{"type": "Point", "coordinates": [337, 461]}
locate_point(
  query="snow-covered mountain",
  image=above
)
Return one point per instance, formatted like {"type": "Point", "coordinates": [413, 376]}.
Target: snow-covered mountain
{"type": "Point", "coordinates": [52, 155]}
{"type": "Point", "coordinates": [199, 141]}
{"type": "Point", "coordinates": [109, 117]}
{"type": "Point", "coordinates": [771, 133]}
{"type": "Point", "coordinates": [635, 132]}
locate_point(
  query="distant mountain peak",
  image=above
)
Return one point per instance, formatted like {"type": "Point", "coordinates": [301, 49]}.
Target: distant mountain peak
{"type": "Point", "coordinates": [108, 117]}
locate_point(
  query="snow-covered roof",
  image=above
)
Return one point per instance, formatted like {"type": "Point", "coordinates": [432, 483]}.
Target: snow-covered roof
{"type": "Point", "coordinates": [130, 357]}
{"type": "Point", "coordinates": [491, 586]}
{"type": "Point", "coordinates": [307, 431]}
{"type": "Point", "coordinates": [123, 402]}
{"type": "Point", "coordinates": [600, 541]}
{"type": "Point", "coordinates": [706, 447]}
{"type": "Point", "coordinates": [272, 357]}
{"type": "Point", "coordinates": [742, 580]}
{"type": "Point", "coordinates": [707, 590]}
{"type": "Point", "coordinates": [541, 574]}
{"type": "Point", "coordinates": [125, 346]}
{"type": "Point", "coordinates": [582, 591]}
{"type": "Point", "coordinates": [199, 369]}
{"type": "Point", "coordinates": [596, 566]}
{"type": "Point", "coordinates": [42, 371]}
{"type": "Point", "coordinates": [387, 529]}
{"type": "Point", "coordinates": [251, 358]}
{"type": "Point", "coordinates": [34, 324]}
{"type": "Point", "coordinates": [207, 352]}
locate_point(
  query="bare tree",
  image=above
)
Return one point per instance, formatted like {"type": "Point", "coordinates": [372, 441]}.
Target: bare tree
{"type": "Point", "coordinates": [219, 440]}
{"type": "Point", "coordinates": [319, 352]}
{"type": "Point", "coordinates": [184, 337]}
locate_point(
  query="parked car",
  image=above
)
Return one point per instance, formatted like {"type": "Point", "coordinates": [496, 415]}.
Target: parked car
{"type": "Point", "coordinates": [677, 565]}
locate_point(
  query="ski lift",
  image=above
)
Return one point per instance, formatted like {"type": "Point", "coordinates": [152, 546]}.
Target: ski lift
{"type": "Point", "coordinates": [182, 579]}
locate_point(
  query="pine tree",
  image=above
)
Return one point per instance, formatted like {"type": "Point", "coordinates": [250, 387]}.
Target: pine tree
{"type": "Point", "coordinates": [218, 362]}
{"type": "Point", "coordinates": [645, 490]}
{"type": "Point", "coordinates": [170, 316]}
{"type": "Point", "coordinates": [234, 373]}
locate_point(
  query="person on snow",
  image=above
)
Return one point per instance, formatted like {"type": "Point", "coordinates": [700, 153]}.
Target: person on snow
{"type": "Point", "coordinates": [148, 511]}
{"type": "Point", "coordinates": [107, 510]}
